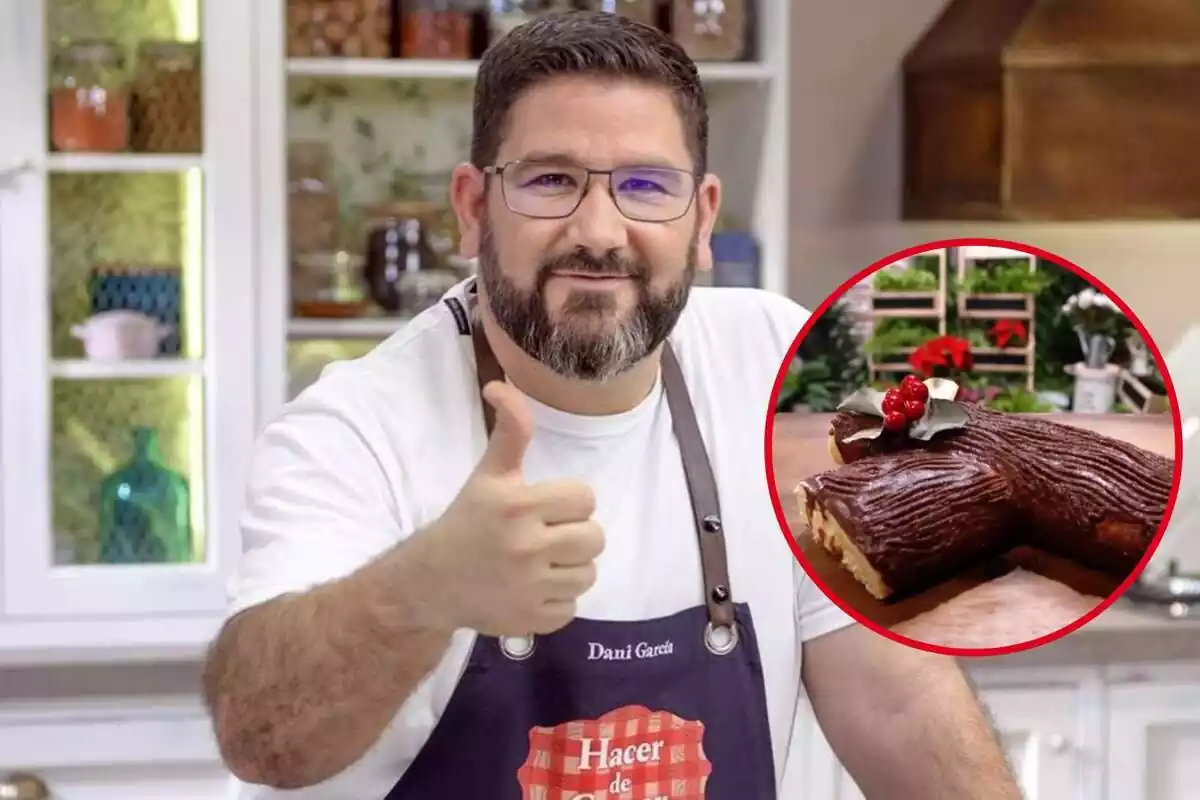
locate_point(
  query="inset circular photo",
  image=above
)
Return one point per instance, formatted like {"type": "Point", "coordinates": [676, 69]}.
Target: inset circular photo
{"type": "Point", "coordinates": [973, 447]}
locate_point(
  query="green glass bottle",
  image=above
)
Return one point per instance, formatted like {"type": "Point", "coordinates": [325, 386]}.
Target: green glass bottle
{"type": "Point", "coordinates": [145, 514]}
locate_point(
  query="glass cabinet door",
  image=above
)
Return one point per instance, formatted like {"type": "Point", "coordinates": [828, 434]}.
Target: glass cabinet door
{"type": "Point", "coordinates": [126, 303]}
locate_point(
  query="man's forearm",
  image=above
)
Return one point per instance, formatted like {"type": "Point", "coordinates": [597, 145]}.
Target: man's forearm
{"type": "Point", "coordinates": [938, 744]}
{"type": "Point", "coordinates": [300, 687]}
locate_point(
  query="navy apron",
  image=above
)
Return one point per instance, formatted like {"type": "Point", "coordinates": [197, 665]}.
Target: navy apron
{"type": "Point", "coordinates": [600, 710]}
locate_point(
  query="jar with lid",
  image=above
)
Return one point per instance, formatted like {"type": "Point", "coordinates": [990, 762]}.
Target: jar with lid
{"type": "Point", "coordinates": [167, 98]}
{"type": "Point", "coordinates": [339, 28]}
{"type": "Point", "coordinates": [314, 211]}
{"type": "Point", "coordinates": [440, 29]}
{"type": "Point", "coordinates": [328, 285]}
{"type": "Point", "coordinates": [89, 98]}
{"type": "Point", "coordinates": [403, 273]}
{"type": "Point", "coordinates": [711, 30]}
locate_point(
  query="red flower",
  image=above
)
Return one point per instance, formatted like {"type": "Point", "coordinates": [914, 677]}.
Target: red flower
{"type": "Point", "coordinates": [1006, 330]}
{"type": "Point", "coordinates": [950, 352]}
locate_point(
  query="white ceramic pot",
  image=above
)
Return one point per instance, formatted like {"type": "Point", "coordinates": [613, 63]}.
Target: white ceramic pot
{"type": "Point", "coordinates": [1095, 389]}
{"type": "Point", "coordinates": [121, 335]}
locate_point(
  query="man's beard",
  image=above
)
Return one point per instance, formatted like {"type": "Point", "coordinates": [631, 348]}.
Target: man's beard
{"type": "Point", "coordinates": [573, 348]}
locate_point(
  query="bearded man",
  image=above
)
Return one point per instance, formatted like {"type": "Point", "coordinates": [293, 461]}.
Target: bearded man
{"type": "Point", "coordinates": [526, 547]}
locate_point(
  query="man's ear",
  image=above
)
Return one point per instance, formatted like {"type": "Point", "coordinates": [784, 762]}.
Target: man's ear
{"type": "Point", "coordinates": [708, 206]}
{"type": "Point", "coordinates": [467, 197]}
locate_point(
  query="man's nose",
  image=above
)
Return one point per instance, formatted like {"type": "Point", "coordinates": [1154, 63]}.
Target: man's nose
{"type": "Point", "coordinates": [599, 226]}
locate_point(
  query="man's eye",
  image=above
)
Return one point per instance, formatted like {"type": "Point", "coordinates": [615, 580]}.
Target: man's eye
{"type": "Point", "coordinates": [552, 180]}
{"type": "Point", "coordinates": [642, 185]}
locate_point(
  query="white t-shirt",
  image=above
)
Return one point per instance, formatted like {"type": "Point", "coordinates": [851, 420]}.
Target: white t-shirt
{"type": "Point", "coordinates": [379, 446]}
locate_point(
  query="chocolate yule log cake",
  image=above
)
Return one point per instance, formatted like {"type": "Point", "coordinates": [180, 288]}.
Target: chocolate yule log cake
{"type": "Point", "coordinates": [928, 487]}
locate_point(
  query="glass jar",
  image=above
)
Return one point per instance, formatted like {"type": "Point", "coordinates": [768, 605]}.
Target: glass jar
{"type": "Point", "coordinates": [403, 274]}
{"type": "Point", "coordinates": [711, 30]}
{"type": "Point", "coordinates": [167, 112]}
{"type": "Point", "coordinates": [314, 212]}
{"type": "Point", "coordinates": [345, 28]}
{"type": "Point", "coordinates": [327, 285]}
{"type": "Point", "coordinates": [89, 98]}
{"type": "Point", "coordinates": [438, 29]}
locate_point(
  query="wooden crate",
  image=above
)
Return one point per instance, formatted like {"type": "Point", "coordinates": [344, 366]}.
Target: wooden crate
{"type": "Point", "coordinates": [1054, 110]}
{"type": "Point", "coordinates": [996, 306]}
{"type": "Point", "coordinates": [1140, 397]}
{"type": "Point", "coordinates": [907, 305]}
{"type": "Point", "coordinates": [1000, 306]}
{"type": "Point", "coordinates": [922, 306]}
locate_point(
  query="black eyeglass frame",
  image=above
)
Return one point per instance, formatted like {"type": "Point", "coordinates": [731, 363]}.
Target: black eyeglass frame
{"type": "Point", "coordinates": [498, 170]}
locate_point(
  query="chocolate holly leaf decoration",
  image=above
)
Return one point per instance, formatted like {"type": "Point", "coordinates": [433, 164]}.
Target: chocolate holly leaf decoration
{"type": "Point", "coordinates": [864, 401]}
{"type": "Point", "coordinates": [940, 415]}
{"type": "Point", "coordinates": [941, 388]}
{"type": "Point", "coordinates": [865, 433]}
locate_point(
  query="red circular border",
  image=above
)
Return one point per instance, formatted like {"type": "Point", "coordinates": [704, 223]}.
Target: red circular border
{"type": "Point", "coordinates": [769, 430]}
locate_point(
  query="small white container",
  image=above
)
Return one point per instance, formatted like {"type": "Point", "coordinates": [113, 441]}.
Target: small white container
{"type": "Point", "coordinates": [121, 336]}
{"type": "Point", "coordinates": [1095, 389]}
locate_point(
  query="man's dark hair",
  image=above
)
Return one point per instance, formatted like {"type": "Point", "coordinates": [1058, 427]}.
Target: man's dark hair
{"type": "Point", "coordinates": [584, 43]}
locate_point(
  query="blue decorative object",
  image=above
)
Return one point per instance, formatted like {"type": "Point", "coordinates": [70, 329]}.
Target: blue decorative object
{"type": "Point", "coordinates": [151, 290]}
{"type": "Point", "coordinates": [735, 259]}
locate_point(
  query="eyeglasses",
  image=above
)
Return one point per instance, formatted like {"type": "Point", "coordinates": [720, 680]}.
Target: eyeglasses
{"type": "Point", "coordinates": [547, 190]}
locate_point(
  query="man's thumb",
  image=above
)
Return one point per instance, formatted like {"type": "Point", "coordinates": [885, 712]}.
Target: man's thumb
{"type": "Point", "coordinates": [505, 452]}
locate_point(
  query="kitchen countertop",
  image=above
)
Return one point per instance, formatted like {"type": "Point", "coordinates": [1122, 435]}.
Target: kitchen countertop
{"type": "Point", "coordinates": [983, 610]}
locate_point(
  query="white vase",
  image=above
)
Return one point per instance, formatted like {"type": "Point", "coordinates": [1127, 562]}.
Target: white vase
{"type": "Point", "coordinates": [1095, 389]}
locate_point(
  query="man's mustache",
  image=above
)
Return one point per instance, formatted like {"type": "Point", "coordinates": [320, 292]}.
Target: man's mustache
{"type": "Point", "coordinates": [609, 266]}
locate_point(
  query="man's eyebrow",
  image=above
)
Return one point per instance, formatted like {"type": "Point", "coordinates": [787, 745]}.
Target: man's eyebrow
{"type": "Point", "coordinates": [565, 159]}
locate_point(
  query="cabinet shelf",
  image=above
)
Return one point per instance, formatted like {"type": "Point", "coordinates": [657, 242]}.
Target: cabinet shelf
{"type": "Point", "coordinates": [432, 69]}
{"type": "Point", "coordinates": [364, 328]}
{"type": "Point", "coordinates": [85, 370]}
{"type": "Point", "coordinates": [121, 162]}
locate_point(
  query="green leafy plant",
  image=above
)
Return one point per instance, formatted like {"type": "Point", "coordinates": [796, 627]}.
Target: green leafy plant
{"type": "Point", "coordinates": [1003, 276]}
{"type": "Point", "coordinates": [911, 279]}
{"type": "Point", "coordinates": [1018, 400]}
{"type": "Point", "coordinates": [811, 384]}
{"type": "Point", "coordinates": [829, 364]}
{"type": "Point", "coordinates": [893, 335]}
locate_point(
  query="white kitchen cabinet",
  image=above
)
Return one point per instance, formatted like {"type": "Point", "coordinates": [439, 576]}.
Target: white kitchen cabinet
{"type": "Point", "coordinates": [168, 234]}
{"type": "Point", "coordinates": [1154, 741]}
{"type": "Point", "coordinates": [1043, 730]}
{"type": "Point", "coordinates": [1042, 734]}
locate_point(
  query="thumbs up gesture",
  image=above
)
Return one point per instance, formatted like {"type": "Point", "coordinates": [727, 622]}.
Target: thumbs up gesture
{"type": "Point", "coordinates": [519, 554]}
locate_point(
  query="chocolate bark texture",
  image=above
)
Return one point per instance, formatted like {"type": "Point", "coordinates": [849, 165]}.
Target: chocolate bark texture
{"type": "Point", "coordinates": [1074, 493]}
{"type": "Point", "coordinates": [902, 523]}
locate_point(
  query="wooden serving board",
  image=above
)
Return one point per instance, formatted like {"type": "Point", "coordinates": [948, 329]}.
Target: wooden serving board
{"type": "Point", "coordinates": [1053, 591]}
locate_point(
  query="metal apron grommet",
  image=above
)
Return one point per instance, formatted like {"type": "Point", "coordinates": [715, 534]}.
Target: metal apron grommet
{"type": "Point", "coordinates": [720, 639]}
{"type": "Point", "coordinates": [517, 648]}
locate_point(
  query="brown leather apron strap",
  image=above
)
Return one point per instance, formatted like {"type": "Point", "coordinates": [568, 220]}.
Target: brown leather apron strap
{"type": "Point", "coordinates": [697, 470]}
{"type": "Point", "coordinates": [702, 484]}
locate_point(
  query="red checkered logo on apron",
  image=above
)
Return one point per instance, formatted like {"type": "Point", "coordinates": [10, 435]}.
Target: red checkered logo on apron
{"type": "Point", "coordinates": [631, 753]}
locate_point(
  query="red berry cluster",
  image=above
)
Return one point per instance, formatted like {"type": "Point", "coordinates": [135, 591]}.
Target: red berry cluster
{"type": "Point", "coordinates": [904, 405]}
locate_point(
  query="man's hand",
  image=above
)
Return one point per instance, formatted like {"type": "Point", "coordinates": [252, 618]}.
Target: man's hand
{"type": "Point", "coordinates": [904, 723]}
{"type": "Point", "coordinates": [514, 557]}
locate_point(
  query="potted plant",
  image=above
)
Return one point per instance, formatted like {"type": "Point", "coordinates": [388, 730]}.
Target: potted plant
{"type": "Point", "coordinates": [1097, 322]}
{"type": "Point", "coordinates": [943, 357]}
